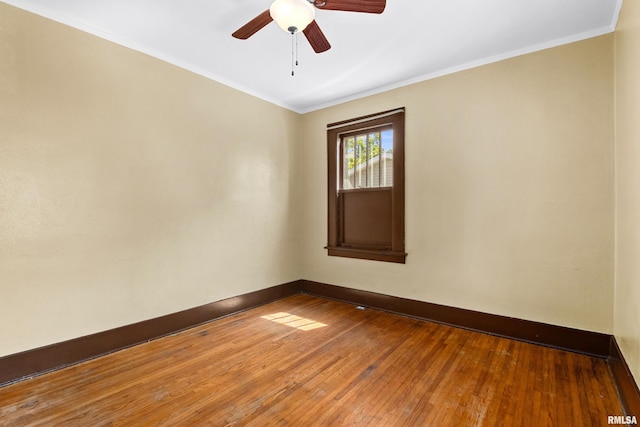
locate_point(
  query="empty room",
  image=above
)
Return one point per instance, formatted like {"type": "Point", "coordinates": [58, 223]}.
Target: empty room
{"type": "Point", "coordinates": [336, 212]}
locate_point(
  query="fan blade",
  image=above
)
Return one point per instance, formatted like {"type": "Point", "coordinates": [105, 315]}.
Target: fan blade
{"type": "Point", "coordinates": [253, 26]}
{"type": "Point", "coordinates": [316, 37]}
{"type": "Point", "coordinates": [365, 6]}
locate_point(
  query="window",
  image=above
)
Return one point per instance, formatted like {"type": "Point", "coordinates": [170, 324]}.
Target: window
{"type": "Point", "coordinates": [366, 187]}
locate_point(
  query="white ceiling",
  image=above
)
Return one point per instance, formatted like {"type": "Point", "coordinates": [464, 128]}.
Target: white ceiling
{"type": "Point", "coordinates": [410, 42]}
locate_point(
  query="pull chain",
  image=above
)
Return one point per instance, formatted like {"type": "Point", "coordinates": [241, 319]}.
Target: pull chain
{"type": "Point", "coordinates": [294, 48]}
{"type": "Point", "coordinates": [293, 34]}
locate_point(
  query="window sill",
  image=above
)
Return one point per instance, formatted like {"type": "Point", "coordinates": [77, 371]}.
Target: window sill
{"type": "Point", "coordinates": [373, 255]}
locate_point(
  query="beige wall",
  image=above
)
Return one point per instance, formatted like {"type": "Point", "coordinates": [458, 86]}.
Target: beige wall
{"type": "Point", "coordinates": [130, 188]}
{"type": "Point", "coordinates": [627, 93]}
{"type": "Point", "coordinates": [509, 179]}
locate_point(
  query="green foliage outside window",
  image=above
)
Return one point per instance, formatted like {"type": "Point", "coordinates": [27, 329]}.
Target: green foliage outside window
{"type": "Point", "coordinates": [360, 148]}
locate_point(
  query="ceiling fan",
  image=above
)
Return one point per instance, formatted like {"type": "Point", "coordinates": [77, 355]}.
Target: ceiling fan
{"type": "Point", "coordinates": [299, 15]}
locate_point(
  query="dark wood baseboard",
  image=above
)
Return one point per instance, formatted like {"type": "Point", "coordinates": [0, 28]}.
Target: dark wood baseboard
{"type": "Point", "coordinates": [627, 387]}
{"type": "Point", "coordinates": [34, 362]}
{"type": "Point", "coordinates": [575, 340]}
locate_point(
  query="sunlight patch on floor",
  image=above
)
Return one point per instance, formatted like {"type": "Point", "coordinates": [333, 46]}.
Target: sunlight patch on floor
{"type": "Point", "coordinates": [294, 321]}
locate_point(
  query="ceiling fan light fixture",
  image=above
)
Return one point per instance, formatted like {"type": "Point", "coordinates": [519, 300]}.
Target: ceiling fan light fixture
{"type": "Point", "coordinates": [292, 15]}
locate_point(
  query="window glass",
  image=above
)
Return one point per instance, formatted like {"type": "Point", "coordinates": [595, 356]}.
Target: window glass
{"type": "Point", "coordinates": [367, 159]}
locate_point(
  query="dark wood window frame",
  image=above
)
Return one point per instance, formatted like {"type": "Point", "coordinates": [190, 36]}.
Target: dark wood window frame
{"type": "Point", "coordinates": [336, 246]}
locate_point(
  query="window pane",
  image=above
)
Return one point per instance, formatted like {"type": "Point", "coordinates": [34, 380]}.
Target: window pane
{"type": "Point", "coordinates": [386, 158]}
{"type": "Point", "coordinates": [361, 161]}
{"type": "Point", "coordinates": [348, 163]}
{"type": "Point", "coordinates": [373, 164]}
{"type": "Point", "coordinates": [367, 160]}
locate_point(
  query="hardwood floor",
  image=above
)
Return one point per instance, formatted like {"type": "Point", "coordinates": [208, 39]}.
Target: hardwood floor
{"type": "Point", "coordinates": [309, 361]}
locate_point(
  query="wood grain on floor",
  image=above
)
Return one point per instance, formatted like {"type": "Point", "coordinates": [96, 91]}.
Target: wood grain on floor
{"type": "Point", "coordinates": [307, 361]}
